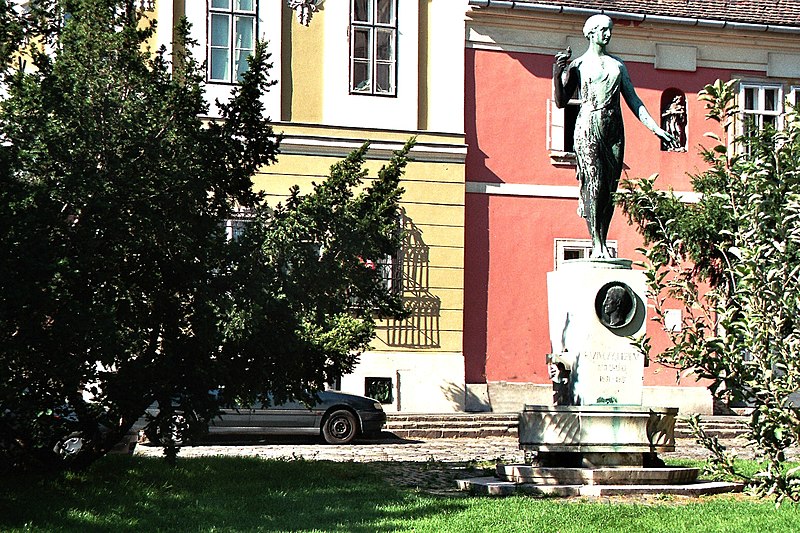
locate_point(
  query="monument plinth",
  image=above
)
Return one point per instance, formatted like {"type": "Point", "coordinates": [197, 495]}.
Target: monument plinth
{"type": "Point", "coordinates": [595, 307]}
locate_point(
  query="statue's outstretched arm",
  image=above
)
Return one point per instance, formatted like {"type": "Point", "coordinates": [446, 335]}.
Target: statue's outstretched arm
{"type": "Point", "coordinates": [637, 106]}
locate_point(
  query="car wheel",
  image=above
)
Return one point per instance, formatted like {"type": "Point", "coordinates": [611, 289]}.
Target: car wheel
{"type": "Point", "coordinates": [340, 427]}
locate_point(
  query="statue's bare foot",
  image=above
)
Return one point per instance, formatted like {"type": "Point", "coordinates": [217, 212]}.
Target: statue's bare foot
{"type": "Point", "coordinates": [601, 253]}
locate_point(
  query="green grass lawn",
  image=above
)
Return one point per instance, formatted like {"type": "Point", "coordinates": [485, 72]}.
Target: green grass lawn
{"type": "Point", "coordinates": [123, 493]}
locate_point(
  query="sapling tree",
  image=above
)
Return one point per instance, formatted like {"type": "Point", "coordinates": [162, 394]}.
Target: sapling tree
{"type": "Point", "coordinates": [732, 263]}
{"type": "Point", "coordinates": [118, 287]}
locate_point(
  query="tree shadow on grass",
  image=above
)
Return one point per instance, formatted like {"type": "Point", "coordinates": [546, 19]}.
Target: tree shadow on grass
{"type": "Point", "coordinates": [126, 493]}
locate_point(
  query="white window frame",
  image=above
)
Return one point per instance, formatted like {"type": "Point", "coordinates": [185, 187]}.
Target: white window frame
{"type": "Point", "coordinates": [340, 107]}
{"type": "Point", "coordinates": [233, 13]}
{"type": "Point", "coordinates": [269, 17]}
{"type": "Point", "coordinates": [391, 272]}
{"type": "Point", "coordinates": [558, 141]}
{"type": "Point", "coordinates": [236, 224]}
{"type": "Point", "coordinates": [580, 247]}
{"type": "Point", "coordinates": [759, 111]}
{"type": "Point", "coordinates": [372, 29]}
{"type": "Point", "coordinates": [793, 96]}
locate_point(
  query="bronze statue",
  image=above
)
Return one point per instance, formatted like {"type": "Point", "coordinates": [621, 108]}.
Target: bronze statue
{"type": "Point", "coordinates": [599, 132]}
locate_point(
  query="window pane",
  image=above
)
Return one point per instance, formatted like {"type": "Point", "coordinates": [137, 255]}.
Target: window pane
{"type": "Point", "coordinates": [219, 30]}
{"type": "Point", "coordinates": [245, 5]}
{"type": "Point", "coordinates": [221, 4]}
{"type": "Point", "coordinates": [245, 32]}
{"type": "Point", "coordinates": [362, 81]}
{"type": "Point", "coordinates": [385, 48]}
{"type": "Point", "coordinates": [750, 124]}
{"type": "Point", "coordinates": [361, 10]}
{"type": "Point", "coordinates": [749, 98]}
{"type": "Point", "coordinates": [242, 65]}
{"type": "Point", "coordinates": [220, 64]}
{"type": "Point", "coordinates": [384, 78]}
{"type": "Point", "coordinates": [770, 99]}
{"type": "Point", "coordinates": [361, 44]}
{"type": "Point", "coordinates": [384, 13]}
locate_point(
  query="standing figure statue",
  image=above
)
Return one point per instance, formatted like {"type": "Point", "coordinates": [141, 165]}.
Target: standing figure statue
{"type": "Point", "coordinates": [674, 121]}
{"type": "Point", "coordinates": [599, 132]}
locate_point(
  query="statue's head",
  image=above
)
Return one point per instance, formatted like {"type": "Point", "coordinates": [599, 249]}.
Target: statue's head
{"type": "Point", "coordinates": [596, 21]}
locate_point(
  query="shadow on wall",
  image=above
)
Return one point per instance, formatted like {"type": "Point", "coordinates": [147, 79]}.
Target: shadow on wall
{"type": "Point", "coordinates": [411, 269]}
{"type": "Point", "coordinates": [471, 399]}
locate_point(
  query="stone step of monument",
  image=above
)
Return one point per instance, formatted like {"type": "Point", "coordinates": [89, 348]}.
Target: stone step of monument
{"type": "Point", "coordinates": [610, 475]}
{"type": "Point", "coordinates": [492, 486]}
{"type": "Point", "coordinates": [477, 425]}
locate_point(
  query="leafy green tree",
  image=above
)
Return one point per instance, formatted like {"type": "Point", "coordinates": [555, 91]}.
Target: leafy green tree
{"type": "Point", "coordinates": [118, 286]}
{"type": "Point", "coordinates": [732, 261]}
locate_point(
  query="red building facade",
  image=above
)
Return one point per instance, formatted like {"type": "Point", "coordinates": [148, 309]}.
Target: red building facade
{"type": "Point", "coordinates": [521, 192]}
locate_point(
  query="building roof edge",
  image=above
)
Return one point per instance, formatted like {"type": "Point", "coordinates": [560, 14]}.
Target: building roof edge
{"type": "Point", "coordinates": [639, 17]}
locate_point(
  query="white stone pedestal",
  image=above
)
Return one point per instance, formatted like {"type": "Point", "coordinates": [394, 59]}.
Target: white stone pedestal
{"type": "Point", "coordinates": [589, 331]}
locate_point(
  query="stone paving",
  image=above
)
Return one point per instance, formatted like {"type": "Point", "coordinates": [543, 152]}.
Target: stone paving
{"type": "Point", "coordinates": [431, 465]}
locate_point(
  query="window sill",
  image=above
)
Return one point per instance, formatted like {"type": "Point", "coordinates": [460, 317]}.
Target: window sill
{"type": "Point", "coordinates": [563, 159]}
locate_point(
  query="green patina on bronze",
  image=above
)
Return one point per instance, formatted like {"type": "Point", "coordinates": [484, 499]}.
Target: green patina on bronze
{"type": "Point", "coordinates": [599, 130]}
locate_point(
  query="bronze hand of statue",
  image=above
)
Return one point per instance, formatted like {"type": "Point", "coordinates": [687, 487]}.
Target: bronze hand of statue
{"type": "Point", "coordinates": [562, 59]}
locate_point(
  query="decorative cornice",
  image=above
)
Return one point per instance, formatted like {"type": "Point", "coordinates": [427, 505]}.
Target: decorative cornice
{"type": "Point", "coordinates": [422, 151]}
{"type": "Point", "coordinates": [549, 191]}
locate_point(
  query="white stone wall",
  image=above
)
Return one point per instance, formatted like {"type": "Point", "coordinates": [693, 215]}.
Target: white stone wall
{"type": "Point", "coordinates": [422, 382]}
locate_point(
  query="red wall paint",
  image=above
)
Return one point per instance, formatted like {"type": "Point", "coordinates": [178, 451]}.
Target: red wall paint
{"type": "Point", "coordinates": [509, 244]}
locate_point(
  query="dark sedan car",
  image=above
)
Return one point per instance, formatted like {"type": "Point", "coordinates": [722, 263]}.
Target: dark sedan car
{"type": "Point", "coordinates": [338, 418]}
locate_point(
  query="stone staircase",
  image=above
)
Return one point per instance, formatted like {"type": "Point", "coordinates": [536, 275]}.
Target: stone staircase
{"type": "Point", "coordinates": [452, 425]}
{"type": "Point", "coordinates": [476, 425]}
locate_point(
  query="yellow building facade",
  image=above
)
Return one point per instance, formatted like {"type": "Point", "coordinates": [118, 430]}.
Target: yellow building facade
{"type": "Point", "coordinates": [347, 72]}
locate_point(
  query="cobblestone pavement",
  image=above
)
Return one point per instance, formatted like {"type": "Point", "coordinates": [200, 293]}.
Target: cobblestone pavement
{"type": "Point", "coordinates": [431, 465]}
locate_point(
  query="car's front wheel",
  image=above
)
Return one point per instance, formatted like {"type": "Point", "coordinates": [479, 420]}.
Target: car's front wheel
{"type": "Point", "coordinates": [340, 427]}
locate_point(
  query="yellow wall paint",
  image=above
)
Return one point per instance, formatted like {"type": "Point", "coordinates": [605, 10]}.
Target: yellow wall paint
{"type": "Point", "coordinates": [434, 203]}
{"type": "Point", "coordinates": [301, 97]}
{"type": "Point", "coordinates": [424, 33]}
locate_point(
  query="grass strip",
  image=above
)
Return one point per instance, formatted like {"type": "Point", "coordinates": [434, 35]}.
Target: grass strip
{"type": "Point", "coordinates": [129, 493]}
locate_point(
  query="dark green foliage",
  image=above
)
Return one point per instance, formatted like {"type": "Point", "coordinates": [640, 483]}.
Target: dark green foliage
{"type": "Point", "coordinates": [732, 263]}
{"type": "Point", "coordinates": [118, 287]}
{"type": "Point", "coordinates": [312, 253]}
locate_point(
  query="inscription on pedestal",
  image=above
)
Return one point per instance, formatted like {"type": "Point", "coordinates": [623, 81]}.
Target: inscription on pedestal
{"type": "Point", "coordinates": [609, 378]}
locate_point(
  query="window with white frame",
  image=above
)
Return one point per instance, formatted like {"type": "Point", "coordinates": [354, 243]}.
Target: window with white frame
{"type": "Point", "coordinates": [569, 249]}
{"type": "Point", "coordinates": [761, 105]}
{"type": "Point", "coordinates": [373, 47]}
{"type": "Point", "coordinates": [235, 225]}
{"type": "Point", "coordinates": [794, 97]}
{"type": "Point", "coordinates": [231, 38]}
{"type": "Point", "coordinates": [561, 134]}
{"type": "Point", "coordinates": [391, 273]}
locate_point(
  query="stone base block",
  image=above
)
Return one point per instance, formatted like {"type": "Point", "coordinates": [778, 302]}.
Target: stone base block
{"type": "Point", "coordinates": [596, 476]}
{"type": "Point", "coordinates": [491, 486]}
{"type": "Point", "coordinates": [597, 429]}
